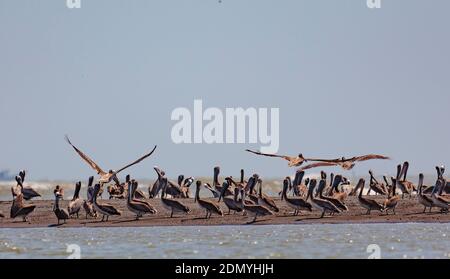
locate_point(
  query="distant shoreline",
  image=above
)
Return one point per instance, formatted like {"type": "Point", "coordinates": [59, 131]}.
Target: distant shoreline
{"type": "Point", "coordinates": [408, 211]}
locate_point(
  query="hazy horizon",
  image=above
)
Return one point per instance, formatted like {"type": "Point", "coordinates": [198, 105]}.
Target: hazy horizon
{"type": "Point", "coordinates": [348, 80]}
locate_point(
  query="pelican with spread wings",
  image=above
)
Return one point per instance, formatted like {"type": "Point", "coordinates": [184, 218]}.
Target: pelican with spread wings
{"type": "Point", "coordinates": [346, 164]}
{"type": "Point", "coordinates": [293, 161]}
{"type": "Point", "coordinates": [106, 177]}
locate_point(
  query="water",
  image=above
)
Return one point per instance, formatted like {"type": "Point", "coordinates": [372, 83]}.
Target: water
{"type": "Point", "coordinates": [280, 241]}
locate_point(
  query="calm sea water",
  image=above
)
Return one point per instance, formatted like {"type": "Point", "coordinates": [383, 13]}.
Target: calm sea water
{"type": "Point", "coordinates": [280, 241]}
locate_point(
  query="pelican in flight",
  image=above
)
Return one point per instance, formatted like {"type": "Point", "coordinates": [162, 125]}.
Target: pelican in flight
{"type": "Point", "coordinates": [293, 161]}
{"type": "Point", "coordinates": [106, 177]}
{"type": "Point", "coordinates": [346, 164]}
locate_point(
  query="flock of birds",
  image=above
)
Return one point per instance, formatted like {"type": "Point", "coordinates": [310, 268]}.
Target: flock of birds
{"type": "Point", "coordinates": [245, 196]}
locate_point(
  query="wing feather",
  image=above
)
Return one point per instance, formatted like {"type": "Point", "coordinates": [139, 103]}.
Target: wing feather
{"type": "Point", "coordinates": [86, 158]}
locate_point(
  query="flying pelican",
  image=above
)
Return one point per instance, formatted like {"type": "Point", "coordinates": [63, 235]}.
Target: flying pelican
{"type": "Point", "coordinates": [346, 164]}
{"type": "Point", "coordinates": [76, 203]}
{"type": "Point", "coordinates": [61, 213]}
{"type": "Point", "coordinates": [104, 208]}
{"type": "Point", "coordinates": [209, 206]}
{"type": "Point", "coordinates": [106, 177]}
{"type": "Point", "coordinates": [293, 161]}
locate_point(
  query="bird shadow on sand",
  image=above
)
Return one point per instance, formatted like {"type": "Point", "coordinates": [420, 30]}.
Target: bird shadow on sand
{"type": "Point", "coordinates": [55, 225]}
{"type": "Point", "coordinates": [253, 222]}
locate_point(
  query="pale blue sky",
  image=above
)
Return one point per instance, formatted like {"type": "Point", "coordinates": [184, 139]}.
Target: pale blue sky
{"type": "Point", "coordinates": [348, 80]}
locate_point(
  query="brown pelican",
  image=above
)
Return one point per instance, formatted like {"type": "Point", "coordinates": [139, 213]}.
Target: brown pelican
{"type": "Point", "coordinates": [405, 185]}
{"type": "Point", "coordinates": [424, 199]}
{"type": "Point", "coordinates": [88, 203]}
{"type": "Point", "coordinates": [367, 203]}
{"type": "Point", "coordinates": [172, 189]}
{"type": "Point", "coordinates": [216, 183]}
{"type": "Point", "coordinates": [104, 208]}
{"type": "Point", "coordinates": [27, 192]}
{"type": "Point", "coordinates": [336, 202]}
{"type": "Point", "coordinates": [250, 185]}
{"type": "Point", "coordinates": [293, 161]}
{"type": "Point", "coordinates": [295, 203]}
{"type": "Point", "coordinates": [76, 203]}
{"type": "Point", "coordinates": [136, 206]}
{"type": "Point", "coordinates": [18, 208]}
{"type": "Point", "coordinates": [209, 206]}
{"type": "Point", "coordinates": [376, 186]}
{"type": "Point", "coordinates": [265, 200]}
{"type": "Point", "coordinates": [391, 202]}
{"type": "Point", "coordinates": [298, 188]}
{"type": "Point", "coordinates": [61, 213]}
{"type": "Point", "coordinates": [436, 195]}
{"type": "Point", "coordinates": [170, 204]}
{"type": "Point", "coordinates": [231, 202]}
{"type": "Point", "coordinates": [321, 204]}
{"type": "Point", "coordinates": [256, 210]}
{"type": "Point", "coordinates": [106, 177]}
{"type": "Point", "coordinates": [346, 164]}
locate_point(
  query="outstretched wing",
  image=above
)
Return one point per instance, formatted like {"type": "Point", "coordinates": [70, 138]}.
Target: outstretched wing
{"type": "Point", "coordinates": [369, 157]}
{"type": "Point", "coordinates": [137, 161]}
{"type": "Point", "coordinates": [316, 165]}
{"type": "Point", "coordinates": [269, 155]}
{"type": "Point", "coordinates": [86, 158]}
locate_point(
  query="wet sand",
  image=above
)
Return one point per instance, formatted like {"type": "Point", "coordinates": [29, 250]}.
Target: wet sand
{"type": "Point", "coordinates": [408, 210]}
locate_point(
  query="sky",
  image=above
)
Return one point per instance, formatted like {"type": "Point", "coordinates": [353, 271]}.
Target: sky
{"type": "Point", "coordinates": [348, 80]}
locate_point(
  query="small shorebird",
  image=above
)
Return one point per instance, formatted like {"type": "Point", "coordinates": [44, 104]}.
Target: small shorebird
{"type": "Point", "coordinates": [346, 164]}
{"type": "Point", "coordinates": [136, 206]}
{"type": "Point", "coordinates": [424, 199]}
{"type": "Point", "coordinates": [76, 203]}
{"type": "Point", "coordinates": [104, 208]}
{"type": "Point", "coordinates": [318, 203]}
{"type": "Point", "coordinates": [61, 213]}
{"type": "Point", "coordinates": [27, 192]}
{"type": "Point", "coordinates": [295, 203]}
{"type": "Point", "coordinates": [231, 202]}
{"type": "Point", "coordinates": [265, 200]}
{"type": "Point", "coordinates": [293, 161]}
{"type": "Point", "coordinates": [254, 209]}
{"type": "Point", "coordinates": [368, 204]}
{"type": "Point", "coordinates": [106, 177]}
{"type": "Point", "coordinates": [18, 208]}
{"type": "Point", "coordinates": [171, 204]}
{"type": "Point", "coordinates": [209, 206]}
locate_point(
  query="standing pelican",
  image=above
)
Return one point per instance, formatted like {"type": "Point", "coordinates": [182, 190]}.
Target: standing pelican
{"type": "Point", "coordinates": [295, 203]}
{"type": "Point", "coordinates": [336, 202]}
{"type": "Point", "coordinates": [436, 195]}
{"type": "Point", "coordinates": [76, 203]}
{"type": "Point", "coordinates": [346, 164]}
{"type": "Point", "coordinates": [256, 210]}
{"type": "Point", "coordinates": [27, 192]}
{"type": "Point", "coordinates": [231, 202]}
{"type": "Point", "coordinates": [424, 199]}
{"type": "Point", "coordinates": [104, 208]}
{"type": "Point", "coordinates": [391, 202]}
{"type": "Point", "coordinates": [209, 206]}
{"type": "Point", "coordinates": [320, 204]}
{"type": "Point", "coordinates": [216, 183]}
{"type": "Point", "coordinates": [18, 208]}
{"type": "Point", "coordinates": [265, 200]}
{"type": "Point", "coordinates": [61, 213]}
{"type": "Point", "coordinates": [88, 203]}
{"type": "Point", "coordinates": [106, 177]}
{"type": "Point", "coordinates": [404, 183]}
{"type": "Point", "coordinates": [367, 203]}
{"type": "Point", "coordinates": [377, 187]}
{"type": "Point", "coordinates": [171, 204]}
{"type": "Point", "coordinates": [136, 206]}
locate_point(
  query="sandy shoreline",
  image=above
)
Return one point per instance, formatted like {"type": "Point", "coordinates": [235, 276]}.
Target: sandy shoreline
{"type": "Point", "coordinates": [408, 210]}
